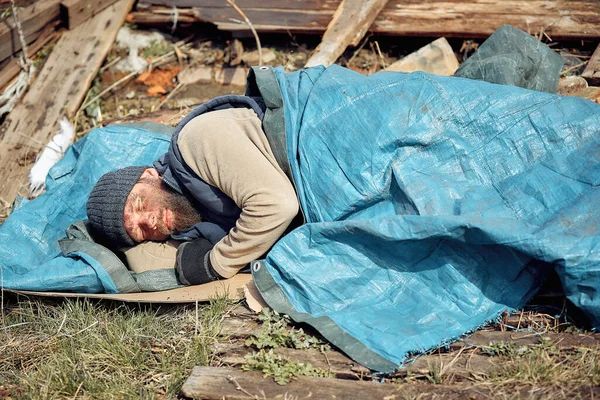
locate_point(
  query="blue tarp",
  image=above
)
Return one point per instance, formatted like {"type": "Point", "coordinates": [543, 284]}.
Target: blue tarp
{"type": "Point", "coordinates": [433, 204]}
{"type": "Point", "coordinates": [30, 256]}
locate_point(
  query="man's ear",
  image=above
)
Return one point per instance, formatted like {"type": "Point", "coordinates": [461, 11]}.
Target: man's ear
{"type": "Point", "coordinates": [150, 172]}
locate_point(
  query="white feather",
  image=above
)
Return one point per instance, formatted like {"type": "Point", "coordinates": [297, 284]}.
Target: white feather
{"type": "Point", "coordinates": [53, 152]}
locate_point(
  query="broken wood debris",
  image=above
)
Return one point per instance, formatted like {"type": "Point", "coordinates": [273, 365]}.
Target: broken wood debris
{"type": "Point", "coordinates": [36, 17]}
{"type": "Point", "coordinates": [349, 24]}
{"type": "Point", "coordinates": [33, 21]}
{"type": "Point", "coordinates": [59, 89]}
{"type": "Point", "coordinates": [592, 70]}
{"type": "Point", "coordinates": [214, 383]}
{"type": "Point", "coordinates": [12, 67]}
{"type": "Point", "coordinates": [75, 12]}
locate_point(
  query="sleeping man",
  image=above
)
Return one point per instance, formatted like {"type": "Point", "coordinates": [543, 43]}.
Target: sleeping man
{"type": "Point", "coordinates": [431, 204]}
{"type": "Point", "coordinates": [219, 188]}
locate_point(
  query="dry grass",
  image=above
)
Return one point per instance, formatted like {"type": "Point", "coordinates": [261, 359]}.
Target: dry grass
{"type": "Point", "coordinates": [86, 349]}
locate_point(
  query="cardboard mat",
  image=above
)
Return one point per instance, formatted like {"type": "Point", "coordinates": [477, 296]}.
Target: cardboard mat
{"type": "Point", "coordinates": [234, 287]}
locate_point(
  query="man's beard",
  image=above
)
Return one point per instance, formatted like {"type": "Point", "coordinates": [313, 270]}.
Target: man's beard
{"type": "Point", "coordinates": [184, 213]}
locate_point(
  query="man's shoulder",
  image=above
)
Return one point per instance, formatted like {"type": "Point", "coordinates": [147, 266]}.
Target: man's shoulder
{"type": "Point", "coordinates": [225, 114]}
{"type": "Point", "coordinates": [220, 125]}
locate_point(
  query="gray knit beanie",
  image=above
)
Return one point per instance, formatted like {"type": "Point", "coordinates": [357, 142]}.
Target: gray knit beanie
{"type": "Point", "coordinates": [106, 204]}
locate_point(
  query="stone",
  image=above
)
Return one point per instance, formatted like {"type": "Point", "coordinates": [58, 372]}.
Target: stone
{"type": "Point", "coordinates": [251, 57]}
{"type": "Point", "coordinates": [231, 76]}
{"type": "Point", "coordinates": [571, 84]}
{"type": "Point", "coordinates": [436, 58]}
{"type": "Point", "coordinates": [195, 74]}
{"type": "Point", "coordinates": [591, 93]}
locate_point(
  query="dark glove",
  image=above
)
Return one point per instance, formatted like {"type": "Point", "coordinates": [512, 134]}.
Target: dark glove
{"type": "Point", "coordinates": [193, 263]}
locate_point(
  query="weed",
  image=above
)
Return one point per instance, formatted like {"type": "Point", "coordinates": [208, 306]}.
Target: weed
{"type": "Point", "coordinates": [503, 348]}
{"type": "Point", "coordinates": [435, 374]}
{"type": "Point", "coordinates": [156, 49]}
{"type": "Point", "coordinates": [275, 332]}
{"type": "Point", "coordinates": [279, 367]}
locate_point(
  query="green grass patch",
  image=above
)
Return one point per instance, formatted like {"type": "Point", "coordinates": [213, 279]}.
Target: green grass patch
{"type": "Point", "coordinates": [276, 332]}
{"type": "Point", "coordinates": [101, 350]}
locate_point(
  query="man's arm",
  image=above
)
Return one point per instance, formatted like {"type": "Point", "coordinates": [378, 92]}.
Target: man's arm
{"type": "Point", "coordinates": [228, 150]}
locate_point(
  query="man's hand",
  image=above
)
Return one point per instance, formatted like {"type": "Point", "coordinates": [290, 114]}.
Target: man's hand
{"type": "Point", "coordinates": [193, 263]}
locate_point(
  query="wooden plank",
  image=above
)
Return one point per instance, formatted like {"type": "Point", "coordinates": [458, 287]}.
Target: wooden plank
{"type": "Point", "coordinates": [453, 23]}
{"type": "Point", "coordinates": [560, 340]}
{"type": "Point", "coordinates": [243, 4]}
{"type": "Point", "coordinates": [347, 27]}
{"type": "Point", "coordinates": [218, 383]}
{"type": "Point", "coordinates": [592, 70]}
{"type": "Point", "coordinates": [433, 18]}
{"type": "Point", "coordinates": [57, 91]}
{"type": "Point", "coordinates": [212, 383]}
{"type": "Point", "coordinates": [163, 116]}
{"type": "Point", "coordinates": [12, 68]}
{"type": "Point", "coordinates": [462, 361]}
{"type": "Point", "coordinates": [340, 366]}
{"type": "Point", "coordinates": [33, 19]}
{"type": "Point", "coordinates": [75, 12]}
{"type": "Point", "coordinates": [150, 18]}
{"type": "Point", "coordinates": [238, 328]}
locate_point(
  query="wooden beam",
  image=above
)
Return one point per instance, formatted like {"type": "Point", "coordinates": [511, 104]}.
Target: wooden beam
{"type": "Point", "coordinates": [12, 68]}
{"type": "Point", "coordinates": [150, 18]}
{"type": "Point", "coordinates": [213, 383]}
{"type": "Point", "coordinates": [76, 12]}
{"type": "Point", "coordinates": [243, 4]}
{"type": "Point", "coordinates": [57, 91]}
{"type": "Point", "coordinates": [578, 19]}
{"type": "Point", "coordinates": [33, 19]}
{"type": "Point", "coordinates": [457, 362]}
{"type": "Point", "coordinates": [592, 70]}
{"type": "Point", "coordinates": [347, 27]}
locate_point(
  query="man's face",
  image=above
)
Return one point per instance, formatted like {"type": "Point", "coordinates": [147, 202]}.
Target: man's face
{"type": "Point", "coordinates": [152, 212]}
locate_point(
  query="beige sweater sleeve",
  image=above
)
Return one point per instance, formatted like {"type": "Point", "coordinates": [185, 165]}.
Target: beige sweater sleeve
{"type": "Point", "coordinates": [228, 150]}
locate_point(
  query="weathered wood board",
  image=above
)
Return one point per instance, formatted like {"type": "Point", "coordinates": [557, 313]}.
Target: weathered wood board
{"type": "Point", "coordinates": [56, 92]}
{"type": "Point", "coordinates": [75, 12]}
{"type": "Point", "coordinates": [33, 19]}
{"type": "Point", "coordinates": [12, 67]}
{"type": "Point", "coordinates": [212, 383]}
{"type": "Point", "coordinates": [577, 19]}
{"type": "Point", "coordinates": [349, 24]}
{"type": "Point", "coordinates": [461, 360]}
